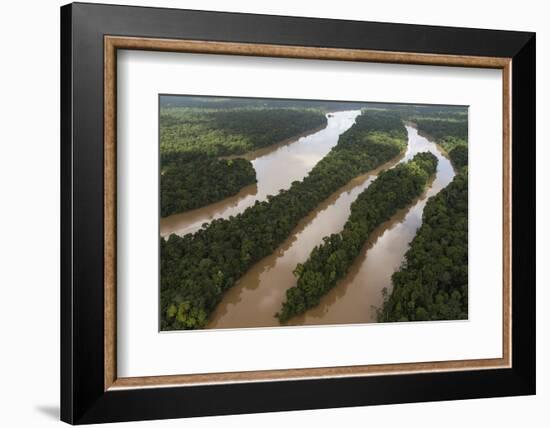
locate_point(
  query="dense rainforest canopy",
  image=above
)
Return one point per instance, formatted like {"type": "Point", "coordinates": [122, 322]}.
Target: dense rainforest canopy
{"type": "Point", "coordinates": [197, 268]}
{"type": "Point", "coordinates": [440, 127]}
{"type": "Point", "coordinates": [450, 132]}
{"type": "Point", "coordinates": [236, 102]}
{"type": "Point", "coordinates": [432, 284]}
{"type": "Point", "coordinates": [191, 141]}
{"type": "Point", "coordinates": [192, 184]}
{"type": "Point", "coordinates": [392, 190]}
{"type": "Point", "coordinates": [231, 132]}
{"type": "Point", "coordinates": [459, 156]}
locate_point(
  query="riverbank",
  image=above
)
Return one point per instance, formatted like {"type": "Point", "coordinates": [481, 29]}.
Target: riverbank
{"type": "Point", "coordinates": [431, 138]}
{"type": "Point", "coordinates": [254, 154]}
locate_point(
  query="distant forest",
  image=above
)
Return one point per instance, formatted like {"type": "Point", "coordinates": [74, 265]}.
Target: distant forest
{"type": "Point", "coordinates": [406, 110]}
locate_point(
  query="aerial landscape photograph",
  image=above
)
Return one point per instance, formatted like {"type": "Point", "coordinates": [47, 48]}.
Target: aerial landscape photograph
{"type": "Point", "coordinates": [289, 212]}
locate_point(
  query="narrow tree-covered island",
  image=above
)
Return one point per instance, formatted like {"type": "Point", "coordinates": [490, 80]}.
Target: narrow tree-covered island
{"type": "Point", "coordinates": [271, 208]}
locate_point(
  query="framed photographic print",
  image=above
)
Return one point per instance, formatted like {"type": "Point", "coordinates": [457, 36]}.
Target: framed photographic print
{"type": "Point", "coordinates": [265, 213]}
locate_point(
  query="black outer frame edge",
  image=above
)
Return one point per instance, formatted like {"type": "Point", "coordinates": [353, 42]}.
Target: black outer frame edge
{"type": "Point", "coordinates": [66, 306]}
{"type": "Point", "coordinates": [168, 403]}
{"type": "Point", "coordinates": [298, 31]}
{"type": "Point", "coordinates": [82, 397]}
{"type": "Point", "coordinates": [524, 213]}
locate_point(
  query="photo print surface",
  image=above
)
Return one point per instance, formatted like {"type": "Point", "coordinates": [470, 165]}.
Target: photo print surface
{"type": "Point", "coordinates": [281, 212]}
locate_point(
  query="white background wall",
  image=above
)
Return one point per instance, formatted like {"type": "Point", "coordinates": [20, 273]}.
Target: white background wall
{"type": "Point", "coordinates": [29, 214]}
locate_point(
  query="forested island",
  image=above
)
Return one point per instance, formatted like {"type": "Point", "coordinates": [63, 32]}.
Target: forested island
{"type": "Point", "coordinates": [205, 144]}
{"type": "Point", "coordinates": [188, 183]}
{"type": "Point", "coordinates": [193, 140]}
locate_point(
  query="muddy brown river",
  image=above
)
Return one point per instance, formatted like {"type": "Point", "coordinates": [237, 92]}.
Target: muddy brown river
{"type": "Point", "coordinates": [258, 295]}
{"type": "Point", "coordinates": [276, 168]}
